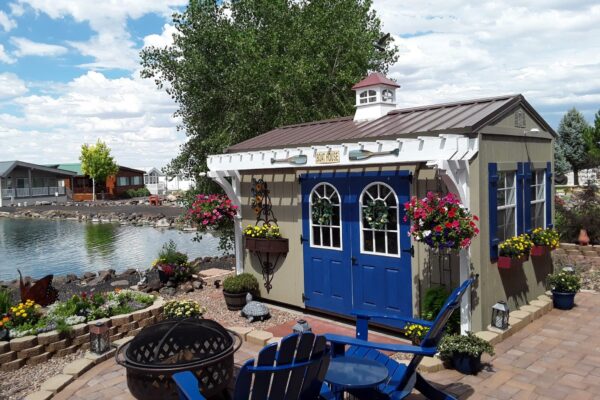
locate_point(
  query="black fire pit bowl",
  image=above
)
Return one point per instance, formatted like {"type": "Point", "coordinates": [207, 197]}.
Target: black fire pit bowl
{"type": "Point", "coordinates": [201, 346]}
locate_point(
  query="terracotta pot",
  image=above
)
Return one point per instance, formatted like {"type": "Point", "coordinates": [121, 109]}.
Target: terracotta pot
{"type": "Point", "coordinates": [583, 239]}
{"type": "Point", "coordinates": [539, 251]}
{"type": "Point", "coordinates": [509, 262]}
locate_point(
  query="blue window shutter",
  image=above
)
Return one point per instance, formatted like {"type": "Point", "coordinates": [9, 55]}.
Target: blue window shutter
{"type": "Point", "coordinates": [549, 193]}
{"type": "Point", "coordinates": [493, 205]}
{"type": "Point", "coordinates": [519, 195]}
{"type": "Point", "coordinates": [527, 197]}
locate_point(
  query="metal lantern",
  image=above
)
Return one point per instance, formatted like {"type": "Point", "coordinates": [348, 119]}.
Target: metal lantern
{"type": "Point", "coordinates": [301, 327]}
{"type": "Point", "coordinates": [500, 314]}
{"type": "Point", "coordinates": [99, 338]}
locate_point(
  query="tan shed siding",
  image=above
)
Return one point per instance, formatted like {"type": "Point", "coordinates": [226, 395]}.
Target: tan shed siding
{"type": "Point", "coordinates": [509, 121]}
{"type": "Point", "coordinates": [517, 286]}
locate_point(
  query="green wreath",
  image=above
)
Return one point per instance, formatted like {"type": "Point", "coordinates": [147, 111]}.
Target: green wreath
{"type": "Point", "coordinates": [322, 212]}
{"type": "Point", "coordinates": [376, 214]}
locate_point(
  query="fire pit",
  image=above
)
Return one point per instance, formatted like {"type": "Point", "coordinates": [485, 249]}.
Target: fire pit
{"type": "Point", "coordinates": [201, 346]}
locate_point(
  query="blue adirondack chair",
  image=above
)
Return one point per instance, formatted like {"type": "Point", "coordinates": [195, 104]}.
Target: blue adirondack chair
{"type": "Point", "coordinates": [296, 371]}
{"type": "Point", "coordinates": [402, 378]}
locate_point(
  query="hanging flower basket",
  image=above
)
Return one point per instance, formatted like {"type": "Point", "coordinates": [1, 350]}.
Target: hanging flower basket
{"type": "Point", "coordinates": [279, 245]}
{"type": "Point", "coordinates": [510, 262]}
{"type": "Point", "coordinates": [441, 222]}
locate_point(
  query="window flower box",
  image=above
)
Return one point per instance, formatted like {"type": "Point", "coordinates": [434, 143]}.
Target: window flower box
{"type": "Point", "coordinates": [539, 251]}
{"type": "Point", "coordinates": [263, 245]}
{"type": "Point", "coordinates": [510, 262]}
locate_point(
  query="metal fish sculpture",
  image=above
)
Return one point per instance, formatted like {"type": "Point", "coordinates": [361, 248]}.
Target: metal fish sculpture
{"type": "Point", "coordinates": [42, 292]}
{"type": "Point", "coordinates": [357, 155]}
{"type": "Point", "coordinates": [296, 160]}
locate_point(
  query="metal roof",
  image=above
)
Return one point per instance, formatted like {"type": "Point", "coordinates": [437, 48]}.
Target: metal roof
{"type": "Point", "coordinates": [376, 78]}
{"type": "Point", "coordinates": [463, 117]}
{"type": "Point", "coordinates": [76, 167]}
{"type": "Point", "coordinates": [6, 168]}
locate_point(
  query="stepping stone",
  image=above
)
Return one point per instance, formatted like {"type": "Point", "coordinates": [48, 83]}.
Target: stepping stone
{"type": "Point", "coordinates": [78, 367]}
{"type": "Point", "coordinates": [40, 395]}
{"type": "Point", "coordinates": [56, 383]}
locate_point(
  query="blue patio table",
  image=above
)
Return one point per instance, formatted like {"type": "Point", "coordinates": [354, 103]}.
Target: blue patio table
{"type": "Point", "coordinates": [345, 373]}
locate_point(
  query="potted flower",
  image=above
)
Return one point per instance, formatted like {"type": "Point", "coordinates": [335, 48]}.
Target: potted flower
{"type": "Point", "coordinates": [416, 333]}
{"type": "Point", "coordinates": [265, 239]}
{"type": "Point", "coordinates": [183, 309]}
{"type": "Point", "coordinates": [172, 264]}
{"type": "Point", "coordinates": [513, 251]}
{"type": "Point", "coordinates": [564, 286]}
{"type": "Point", "coordinates": [544, 241]}
{"type": "Point", "coordinates": [235, 289]}
{"type": "Point", "coordinates": [464, 352]}
{"type": "Point", "coordinates": [441, 222]}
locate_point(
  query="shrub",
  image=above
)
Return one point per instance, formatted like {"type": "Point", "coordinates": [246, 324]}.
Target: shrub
{"type": "Point", "coordinates": [141, 192]}
{"type": "Point", "coordinates": [468, 344]}
{"type": "Point", "coordinates": [433, 301]}
{"type": "Point", "coordinates": [5, 300]}
{"type": "Point", "coordinates": [183, 309]}
{"type": "Point", "coordinates": [564, 282]}
{"type": "Point", "coordinates": [242, 283]}
{"type": "Point", "coordinates": [580, 211]}
{"type": "Point", "coordinates": [168, 254]}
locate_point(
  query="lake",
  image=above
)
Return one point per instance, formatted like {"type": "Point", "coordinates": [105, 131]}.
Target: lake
{"type": "Point", "coordinates": [40, 247]}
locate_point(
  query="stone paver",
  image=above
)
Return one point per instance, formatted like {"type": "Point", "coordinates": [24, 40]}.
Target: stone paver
{"type": "Point", "coordinates": [554, 357]}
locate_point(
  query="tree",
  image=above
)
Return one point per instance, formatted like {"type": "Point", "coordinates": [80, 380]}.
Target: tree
{"type": "Point", "coordinates": [571, 140]}
{"type": "Point", "coordinates": [97, 163]}
{"type": "Point", "coordinates": [592, 142]}
{"type": "Point", "coordinates": [238, 69]}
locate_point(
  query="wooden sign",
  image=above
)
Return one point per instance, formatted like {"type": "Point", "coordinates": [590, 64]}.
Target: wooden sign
{"type": "Point", "coordinates": [327, 157]}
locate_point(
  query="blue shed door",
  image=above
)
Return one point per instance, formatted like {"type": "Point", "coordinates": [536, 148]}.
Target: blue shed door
{"type": "Point", "coordinates": [351, 260]}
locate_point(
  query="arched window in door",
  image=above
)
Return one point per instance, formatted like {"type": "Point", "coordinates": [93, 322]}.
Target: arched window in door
{"type": "Point", "coordinates": [379, 225]}
{"type": "Point", "coordinates": [325, 217]}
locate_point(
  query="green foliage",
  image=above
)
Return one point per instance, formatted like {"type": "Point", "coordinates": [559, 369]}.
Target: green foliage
{"type": "Point", "coordinates": [141, 192]}
{"type": "Point", "coordinates": [464, 344]}
{"type": "Point", "coordinates": [5, 300]}
{"type": "Point", "coordinates": [592, 142]}
{"type": "Point", "coordinates": [97, 163]}
{"type": "Point", "coordinates": [581, 211]}
{"type": "Point", "coordinates": [241, 68]}
{"type": "Point", "coordinates": [433, 301]}
{"type": "Point", "coordinates": [168, 254]}
{"type": "Point", "coordinates": [571, 140]}
{"type": "Point", "coordinates": [183, 309]}
{"type": "Point", "coordinates": [63, 327]}
{"type": "Point", "coordinates": [561, 165]}
{"type": "Point", "coordinates": [564, 282]}
{"type": "Point", "coordinates": [242, 283]}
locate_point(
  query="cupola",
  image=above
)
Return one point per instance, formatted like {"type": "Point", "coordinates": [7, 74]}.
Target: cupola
{"type": "Point", "coordinates": [375, 97]}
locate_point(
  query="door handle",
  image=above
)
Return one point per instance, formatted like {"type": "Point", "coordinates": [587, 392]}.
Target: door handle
{"type": "Point", "coordinates": [411, 251]}
{"type": "Point", "coordinates": [353, 259]}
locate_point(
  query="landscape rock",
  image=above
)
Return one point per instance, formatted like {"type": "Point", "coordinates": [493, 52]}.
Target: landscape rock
{"type": "Point", "coordinates": [119, 283]}
{"type": "Point", "coordinates": [186, 287]}
{"type": "Point", "coordinates": [167, 291]}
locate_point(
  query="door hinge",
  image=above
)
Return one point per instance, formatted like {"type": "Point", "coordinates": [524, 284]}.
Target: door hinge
{"type": "Point", "coordinates": [411, 251]}
{"type": "Point", "coordinates": [304, 298]}
{"type": "Point", "coordinates": [302, 240]}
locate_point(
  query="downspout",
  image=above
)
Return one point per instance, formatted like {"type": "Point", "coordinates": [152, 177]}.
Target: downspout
{"type": "Point", "coordinates": [233, 191]}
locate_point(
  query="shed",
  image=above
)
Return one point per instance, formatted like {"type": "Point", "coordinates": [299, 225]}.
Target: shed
{"type": "Point", "coordinates": [495, 153]}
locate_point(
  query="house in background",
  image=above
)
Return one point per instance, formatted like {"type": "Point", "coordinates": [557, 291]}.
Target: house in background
{"type": "Point", "coordinates": [157, 182]}
{"type": "Point", "coordinates": [80, 185]}
{"type": "Point", "coordinates": [494, 153]}
{"type": "Point", "coordinates": [22, 182]}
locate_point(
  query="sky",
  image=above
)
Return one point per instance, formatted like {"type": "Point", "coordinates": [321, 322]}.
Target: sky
{"type": "Point", "coordinates": [69, 69]}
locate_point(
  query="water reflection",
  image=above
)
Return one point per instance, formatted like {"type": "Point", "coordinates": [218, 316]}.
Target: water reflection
{"type": "Point", "coordinates": [40, 247]}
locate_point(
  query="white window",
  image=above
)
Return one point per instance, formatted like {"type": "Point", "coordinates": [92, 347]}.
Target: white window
{"type": "Point", "coordinates": [368, 96]}
{"type": "Point", "coordinates": [123, 181]}
{"type": "Point", "coordinates": [379, 225]}
{"type": "Point", "coordinates": [387, 96]}
{"type": "Point", "coordinates": [538, 199]}
{"type": "Point", "coordinates": [325, 217]}
{"type": "Point", "coordinates": [507, 206]}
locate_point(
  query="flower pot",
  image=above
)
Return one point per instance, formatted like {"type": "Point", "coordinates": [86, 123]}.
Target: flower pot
{"type": "Point", "coordinates": [162, 276]}
{"type": "Point", "coordinates": [509, 262]}
{"type": "Point", "coordinates": [539, 251]}
{"type": "Point", "coordinates": [235, 301]}
{"type": "Point", "coordinates": [261, 245]}
{"type": "Point", "coordinates": [563, 301]}
{"type": "Point", "coordinates": [583, 238]}
{"type": "Point", "coordinates": [466, 363]}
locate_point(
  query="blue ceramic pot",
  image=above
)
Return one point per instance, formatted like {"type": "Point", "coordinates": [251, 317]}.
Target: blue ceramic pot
{"type": "Point", "coordinates": [466, 363]}
{"type": "Point", "coordinates": [563, 301]}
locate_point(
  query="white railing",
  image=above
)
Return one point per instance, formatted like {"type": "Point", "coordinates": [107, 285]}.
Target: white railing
{"type": "Point", "coordinates": [35, 192]}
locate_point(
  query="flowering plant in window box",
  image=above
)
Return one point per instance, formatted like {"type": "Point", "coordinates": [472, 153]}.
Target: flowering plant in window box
{"type": "Point", "coordinates": [441, 222]}
{"type": "Point", "coordinates": [513, 251]}
{"type": "Point", "coordinates": [265, 238]}
{"type": "Point", "coordinates": [544, 240]}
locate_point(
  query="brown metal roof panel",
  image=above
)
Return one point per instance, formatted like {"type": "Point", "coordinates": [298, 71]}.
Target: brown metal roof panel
{"type": "Point", "coordinates": [392, 126]}
{"type": "Point", "coordinates": [442, 121]}
{"type": "Point", "coordinates": [429, 117]}
{"type": "Point", "coordinates": [478, 113]}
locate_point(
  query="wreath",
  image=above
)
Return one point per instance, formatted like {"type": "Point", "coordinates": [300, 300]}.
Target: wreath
{"type": "Point", "coordinates": [376, 213]}
{"type": "Point", "coordinates": [322, 211]}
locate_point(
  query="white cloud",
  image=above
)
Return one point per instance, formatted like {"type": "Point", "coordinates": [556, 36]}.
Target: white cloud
{"type": "Point", "coordinates": [449, 50]}
{"type": "Point", "coordinates": [162, 40]}
{"type": "Point", "coordinates": [26, 47]}
{"type": "Point", "coordinates": [112, 45]}
{"type": "Point", "coordinates": [11, 86]}
{"type": "Point", "coordinates": [5, 57]}
{"type": "Point", "coordinates": [6, 22]}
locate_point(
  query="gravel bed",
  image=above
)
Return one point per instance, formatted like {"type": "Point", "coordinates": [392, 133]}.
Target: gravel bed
{"type": "Point", "coordinates": [18, 384]}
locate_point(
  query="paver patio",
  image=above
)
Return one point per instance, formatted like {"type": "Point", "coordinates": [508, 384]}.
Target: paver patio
{"type": "Point", "coordinates": [555, 357]}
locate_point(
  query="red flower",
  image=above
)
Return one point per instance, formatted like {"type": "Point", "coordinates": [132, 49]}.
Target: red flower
{"type": "Point", "coordinates": [438, 228]}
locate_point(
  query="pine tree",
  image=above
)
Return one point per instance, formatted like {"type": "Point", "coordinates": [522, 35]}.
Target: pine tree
{"type": "Point", "coordinates": [571, 141]}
